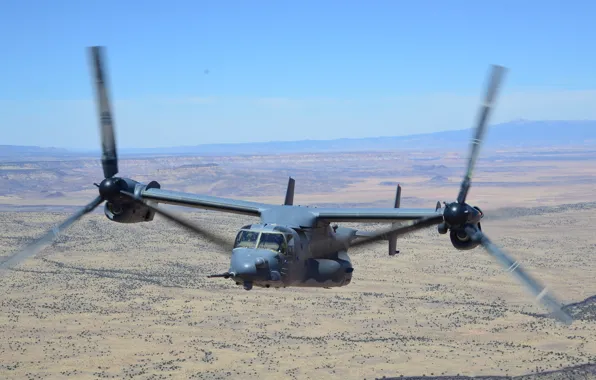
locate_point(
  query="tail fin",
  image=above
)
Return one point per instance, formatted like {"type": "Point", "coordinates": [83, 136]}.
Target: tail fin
{"type": "Point", "coordinates": [289, 201]}
{"type": "Point", "coordinates": [393, 238]}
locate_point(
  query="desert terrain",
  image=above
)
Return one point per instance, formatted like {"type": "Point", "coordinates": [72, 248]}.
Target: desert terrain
{"type": "Point", "coordinates": [132, 301]}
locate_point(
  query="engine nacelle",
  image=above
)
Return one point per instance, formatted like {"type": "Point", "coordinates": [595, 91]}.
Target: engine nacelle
{"type": "Point", "coordinates": [128, 212]}
{"type": "Point", "coordinates": [461, 240]}
{"type": "Point", "coordinates": [329, 273]}
{"type": "Point", "coordinates": [125, 210]}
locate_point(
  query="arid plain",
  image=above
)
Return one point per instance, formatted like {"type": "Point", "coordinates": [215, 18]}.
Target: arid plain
{"type": "Point", "coordinates": [132, 301]}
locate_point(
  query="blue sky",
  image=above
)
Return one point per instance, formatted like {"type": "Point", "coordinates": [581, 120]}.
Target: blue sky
{"type": "Point", "coordinates": [287, 70]}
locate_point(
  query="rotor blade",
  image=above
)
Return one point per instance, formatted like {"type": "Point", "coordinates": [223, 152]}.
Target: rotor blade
{"type": "Point", "coordinates": [33, 248]}
{"type": "Point", "coordinates": [222, 243]}
{"type": "Point", "coordinates": [109, 158]}
{"type": "Point", "coordinates": [496, 77]}
{"type": "Point", "coordinates": [514, 267]}
{"type": "Point", "coordinates": [385, 233]}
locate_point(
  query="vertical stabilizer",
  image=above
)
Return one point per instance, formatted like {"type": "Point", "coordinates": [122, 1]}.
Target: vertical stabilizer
{"type": "Point", "coordinates": [289, 201]}
{"type": "Point", "coordinates": [397, 197]}
{"type": "Point", "coordinates": [393, 238]}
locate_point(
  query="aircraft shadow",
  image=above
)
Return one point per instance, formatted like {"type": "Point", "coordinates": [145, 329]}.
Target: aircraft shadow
{"type": "Point", "coordinates": [583, 371]}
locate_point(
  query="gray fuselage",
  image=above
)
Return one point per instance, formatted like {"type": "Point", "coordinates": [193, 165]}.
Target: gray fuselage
{"type": "Point", "coordinates": [269, 255]}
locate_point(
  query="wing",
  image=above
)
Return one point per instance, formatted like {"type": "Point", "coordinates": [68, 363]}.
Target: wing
{"type": "Point", "coordinates": [373, 215]}
{"type": "Point", "coordinates": [204, 202]}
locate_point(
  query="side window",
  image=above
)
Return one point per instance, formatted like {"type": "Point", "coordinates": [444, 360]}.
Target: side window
{"type": "Point", "coordinates": [283, 244]}
{"type": "Point", "coordinates": [290, 240]}
{"type": "Point", "coordinates": [303, 238]}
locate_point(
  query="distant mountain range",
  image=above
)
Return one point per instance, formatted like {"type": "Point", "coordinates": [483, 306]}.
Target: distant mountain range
{"type": "Point", "coordinates": [520, 133]}
{"type": "Point", "coordinates": [6, 150]}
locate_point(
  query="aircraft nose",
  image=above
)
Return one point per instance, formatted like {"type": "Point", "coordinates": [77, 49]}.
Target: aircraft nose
{"type": "Point", "coordinates": [244, 265]}
{"type": "Point", "coordinates": [253, 264]}
{"type": "Point", "coordinates": [246, 269]}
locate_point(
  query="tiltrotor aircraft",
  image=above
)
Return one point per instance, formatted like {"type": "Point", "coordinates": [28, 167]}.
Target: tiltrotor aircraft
{"type": "Point", "coordinates": [292, 245]}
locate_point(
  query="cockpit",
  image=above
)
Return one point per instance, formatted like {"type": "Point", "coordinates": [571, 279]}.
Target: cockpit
{"type": "Point", "coordinates": [274, 241]}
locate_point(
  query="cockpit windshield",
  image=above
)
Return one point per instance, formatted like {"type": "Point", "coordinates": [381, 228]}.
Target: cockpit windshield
{"type": "Point", "coordinates": [246, 239]}
{"type": "Point", "coordinates": [273, 241]}
{"type": "Point", "coordinates": [267, 240]}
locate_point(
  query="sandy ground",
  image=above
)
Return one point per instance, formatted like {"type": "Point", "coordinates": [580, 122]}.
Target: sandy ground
{"type": "Point", "coordinates": [132, 301]}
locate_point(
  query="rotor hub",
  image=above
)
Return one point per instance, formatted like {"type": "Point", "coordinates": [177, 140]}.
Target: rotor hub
{"type": "Point", "coordinates": [456, 214]}
{"type": "Point", "coordinates": [110, 188]}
